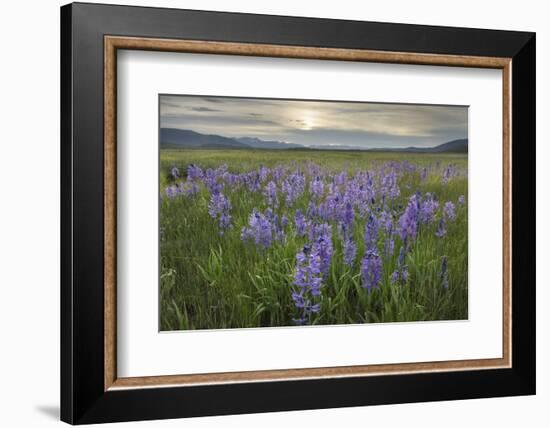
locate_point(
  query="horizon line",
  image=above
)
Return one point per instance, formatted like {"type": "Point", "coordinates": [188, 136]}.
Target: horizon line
{"type": "Point", "coordinates": [319, 146]}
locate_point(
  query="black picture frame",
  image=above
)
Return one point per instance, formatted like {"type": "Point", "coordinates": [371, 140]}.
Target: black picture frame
{"type": "Point", "coordinates": [83, 398]}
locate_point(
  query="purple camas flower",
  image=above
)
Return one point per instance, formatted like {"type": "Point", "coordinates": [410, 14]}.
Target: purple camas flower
{"type": "Point", "coordinates": [264, 228]}
{"type": "Point", "coordinates": [324, 245]}
{"type": "Point", "coordinates": [260, 229]}
{"type": "Point", "coordinates": [188, 188]}
{"type": "Point", "coordinates": [216, 205]}
{"type": "Point", "coordinates": [308, 271]}
{"type": "Point", "coordinates": [362, 192]}
{"type": "Point", "coordinates": [385, 221]}
{"type": "Point", "coordinates": [428, 208]}
{"type": "Point", "coordinates": [194, 172]}
{"type": "Point", "coordinates": [271, 194]}
{"type": "Point", "coordinates": [232, 180]}
{"type": "Point", "coordinates": [389, 245]}
{"type": "Point", "coordinates": [350, 251]}
{"type": "Point", "coordinates": [219, 208]}
{"type": "Point", "coordinates": [334, 206]}
{"type": "Point", "coordinates": [321, 236]}
{"type": "Point", "coordinates": [278, 172]}
{"type": "Point", "coordinates": [443, 275]}
{"type": "Point", "coordinates": [441, 231]}
{"type": "Point", "coordinates": [316, 187]}
{"type": "Point", "coordinates": [171, 191]}
{"type": "Point", "coordinates": [389, 187]}
{"type": "Point", "coordinates": [311, 211]}
{"type": "Point", "coordinates": [401, 273]}
{"type": "Point", "coordinates": [424, 174]}
{"type": "Point", "coordinates": [317, 230]}
{"type": "Point", "coordinates": [300, 223]}
{"type": "Point", "coordinates": [371, 269]}
{"type": "Point", "coordinates": [307, 284]}
{"type": "Point", "coordinates": [276, 225]}
{"type": "Point", "coordinates": [408, 222]}
{"type": "Point", "coordinates": [348, 215]}
{"type": "Point", "coordinates": [252, 181]}
{"type": "Point", "coordinates": [371, 232]}
{"type": "Point", "coordinates": [212, 182]}
{"type": "Point", "coordinates": [449, 210]}
{"type": "Point", "coordinates": [293, 187]}
{"type": "Point", "coordinates": [340, 179]}
{"type": "Point", "coordinates": [447, 173]}
{"type": "Point", "coordinates": [263, 173]}
{"type": "Point", "coordinates": [461, 200]}
{"type": "Point", "coordinates": [284, 220]}
{"type": "Point", "coordinates": [225, 222]}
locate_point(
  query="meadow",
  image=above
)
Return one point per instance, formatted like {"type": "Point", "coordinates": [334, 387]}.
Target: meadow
{"type": "Point", "coordinates": [267, 238]}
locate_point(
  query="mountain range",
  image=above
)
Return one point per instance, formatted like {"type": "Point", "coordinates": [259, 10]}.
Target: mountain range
{"type": "Point", "coordinates": [183, 138]}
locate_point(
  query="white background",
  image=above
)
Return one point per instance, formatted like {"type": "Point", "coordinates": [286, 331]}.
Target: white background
{"type": "Point", "coordinates": [142, 351]}
{"type": "Point", "coordinates": [29, 226]}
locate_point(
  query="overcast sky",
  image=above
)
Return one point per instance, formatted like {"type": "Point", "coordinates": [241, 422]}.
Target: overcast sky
{"type": "Point", "coordinates": [316, 122]}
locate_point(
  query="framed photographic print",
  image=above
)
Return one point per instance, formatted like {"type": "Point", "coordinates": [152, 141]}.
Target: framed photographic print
{"type": "Point", "coordinates": [265, 213]}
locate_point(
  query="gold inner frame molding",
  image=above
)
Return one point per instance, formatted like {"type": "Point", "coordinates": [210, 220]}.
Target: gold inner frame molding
{"type": "Point", "coordinates": [113, 43]}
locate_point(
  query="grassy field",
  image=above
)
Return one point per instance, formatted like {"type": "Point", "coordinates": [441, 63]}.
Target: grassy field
{"type": "Point", "coordinates": [380, 237]}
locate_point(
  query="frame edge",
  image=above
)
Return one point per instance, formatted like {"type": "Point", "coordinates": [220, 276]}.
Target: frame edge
{"type": "Point", "coordinates": [66, 315]}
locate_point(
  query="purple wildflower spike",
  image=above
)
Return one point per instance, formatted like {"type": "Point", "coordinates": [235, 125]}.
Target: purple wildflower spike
{"type": "Point", "coordinates": [219, 208]}
{"type": "Point", "coordinates": [194, 172]}
{"type": "Point", "coordinates": [307, 284]}
{"type": "Point", "coordinates": [428, 209]}
{"type": "Point", "coordinates": [371, 232]}
{"type": "Point", "coordinates": [371, 269]}
{"type": "Point", "coordinates": [348, 214]}
{"type": "Point", "coordinates": [260, 229]}
{"type": "Point", "coordinates": [350, 251]}
{"type": "Point", "coordinates": [171, 191]}
{"type": "Point", "coordinates": [321, 236]}
{"type": "Point", "coordinates": [441, 231]}
{"type": "Point", "coordinates": [316, 187]}
{"type": "Point", "coordinates": [300, 223]}
{"type": "Point", "coordinates": [401, 273]}
{"type": "Point", "coordinates": [271, 194]}
{"type": "Point", "coordinates": [408, 222]}
{"type": "Point", "coordinates": [449, 210]}
{"type": "Point", "coordinates": [424, 174]}
{"type": "Point", "coordinates": [444, 276]}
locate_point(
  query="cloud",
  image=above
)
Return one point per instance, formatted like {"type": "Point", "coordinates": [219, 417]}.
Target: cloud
{"type": "Point", "coordinates": [203, 109]}
{"type": "Point", "coordinates": [317, 122]}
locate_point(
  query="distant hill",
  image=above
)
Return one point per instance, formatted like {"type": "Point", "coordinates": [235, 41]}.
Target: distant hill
{"type": "Point", "coordinates": [262, 144]}
{"type": "Point", "coordinates": [455, 146]}
{"type": "Point", "coordinates": [184, 138]}
{"type": "Point", "coordinates": [176, 138]}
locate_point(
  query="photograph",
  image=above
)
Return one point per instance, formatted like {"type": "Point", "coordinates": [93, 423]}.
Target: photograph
{"type": "Point", "coordinates": [282, 212]}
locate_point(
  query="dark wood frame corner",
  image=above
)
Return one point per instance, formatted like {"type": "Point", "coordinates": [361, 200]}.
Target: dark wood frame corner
{"type": "Point", "coordinates": [90, 389]}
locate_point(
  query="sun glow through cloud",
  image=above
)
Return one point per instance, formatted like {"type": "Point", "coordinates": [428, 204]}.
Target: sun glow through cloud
{"type": "Point", "coordinates": [316, 123]}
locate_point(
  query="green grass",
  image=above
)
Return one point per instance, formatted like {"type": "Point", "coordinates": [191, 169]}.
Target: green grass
{"type": "Point", "coordinates": [209, 281]}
